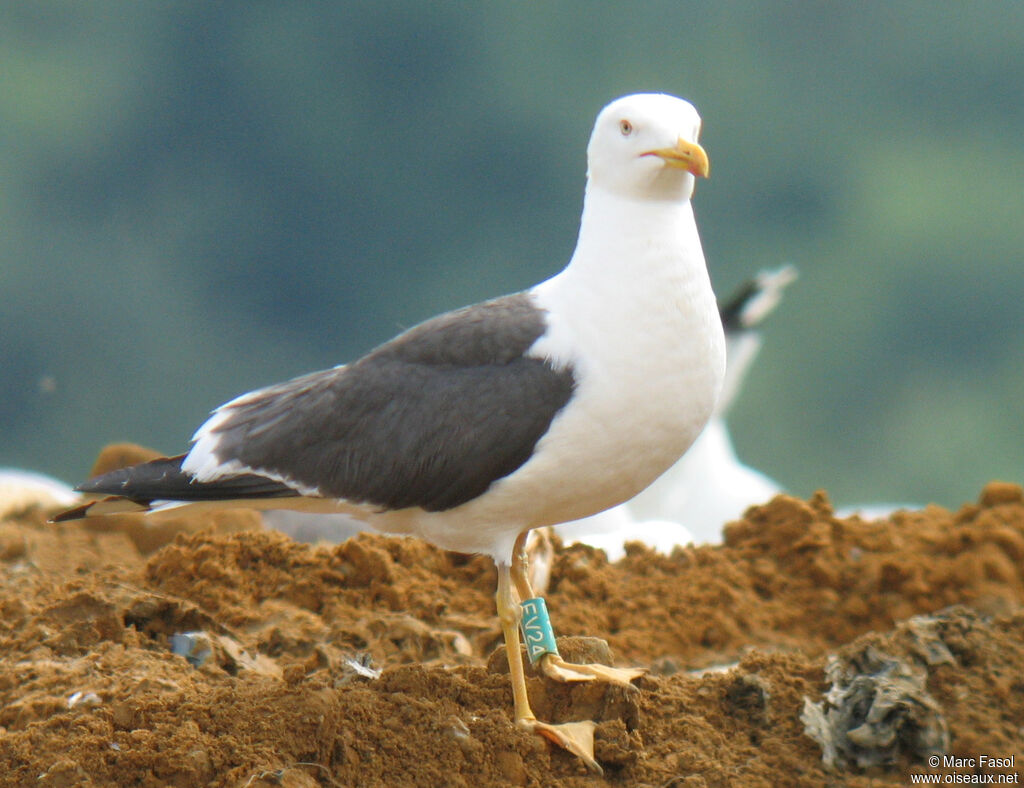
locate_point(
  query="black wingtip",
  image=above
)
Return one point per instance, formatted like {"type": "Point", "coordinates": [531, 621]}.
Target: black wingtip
{"type": "Point", "coordinates": [755, 299]}
{"type": "Point", "coordinates": [163, 479]}
{"type": "Point", "coordinates": [732, 309]}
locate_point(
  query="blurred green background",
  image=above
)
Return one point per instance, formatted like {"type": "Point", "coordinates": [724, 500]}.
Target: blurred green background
{"type": "Point", "coordinates": [200, 198]}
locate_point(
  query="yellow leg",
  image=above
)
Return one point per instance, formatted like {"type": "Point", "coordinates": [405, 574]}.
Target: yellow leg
{"type": "Point", "coordinates": [552, 665]}
{"type": "Point", "coordinates": [576, 737]}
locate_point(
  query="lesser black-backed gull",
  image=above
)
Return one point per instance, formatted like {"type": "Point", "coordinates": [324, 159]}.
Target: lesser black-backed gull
{"type": "Point", "coordinates": [529, 410]}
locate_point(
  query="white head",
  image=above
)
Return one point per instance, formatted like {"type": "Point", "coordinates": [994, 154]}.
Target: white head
{"type": "Point", "coordinates": [644, 146]}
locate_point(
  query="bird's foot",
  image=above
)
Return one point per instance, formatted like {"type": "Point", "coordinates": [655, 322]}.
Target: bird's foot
{"type": "Point", "coordinates": [576, 737]}
{"type": "Point", "coordinates": [554, 667]}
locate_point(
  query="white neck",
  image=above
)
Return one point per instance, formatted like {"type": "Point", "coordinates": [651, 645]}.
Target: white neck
{"type": "Point", "coordinates": [637, 287]}
{"type": "Point", "coordinates": [642, 235]}
{"type": "Point", "coordinates": [638, 270]}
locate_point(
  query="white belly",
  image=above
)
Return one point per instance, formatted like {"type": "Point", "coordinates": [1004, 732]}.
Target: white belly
{"type": "Point", "coordinates": [637, 408]}
{"type": "Point", "coordinates": [635, 318]}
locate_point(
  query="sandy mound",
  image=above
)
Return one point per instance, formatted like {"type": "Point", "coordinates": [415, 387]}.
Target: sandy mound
{"type": "Point", "coordinates": [236, 657]}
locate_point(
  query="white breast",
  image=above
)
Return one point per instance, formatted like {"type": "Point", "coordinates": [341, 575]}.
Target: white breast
{"type": "Point", "coordinates": [635, 317]}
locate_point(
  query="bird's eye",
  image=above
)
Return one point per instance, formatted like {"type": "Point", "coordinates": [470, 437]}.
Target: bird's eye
{"type": "Point", "coordinates": [625, 127]}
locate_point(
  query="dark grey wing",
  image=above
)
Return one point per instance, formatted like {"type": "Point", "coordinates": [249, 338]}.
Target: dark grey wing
{"type": "Point", "coordinates": [430, 419]}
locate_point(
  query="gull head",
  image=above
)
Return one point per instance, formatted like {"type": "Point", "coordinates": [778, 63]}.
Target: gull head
{"type": "Point", "coordinates": [645, 147]}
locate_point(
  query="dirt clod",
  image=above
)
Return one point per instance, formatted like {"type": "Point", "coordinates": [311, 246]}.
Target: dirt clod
{"type": "Point", "coordinates": [374, 662]}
